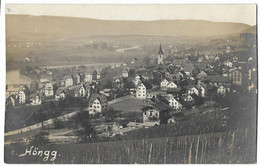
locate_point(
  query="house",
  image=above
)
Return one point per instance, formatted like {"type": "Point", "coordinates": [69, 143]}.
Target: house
{"type": "Point", "coordinates": [141, 89]}
{"type": "Point", "coordinates": [107, 92]}
{"type": "Point", "coordinates": [36, 100]}
{"type": "Point", "coordinates": [194, 90]}
{"type": "Point", "coordinates": [203, 89]}
{"type": "Point", "coordinates": [236, 76]}
{"type": "Point", "coordinates": [174, 91]}
{"type": "Point", "coordinates": [201, 75]}
{"type": "Point", "coordinates": [222, 90]}
{"type": "Point", "coordinates": [217, 80]}
{"type": "Point", "coordinates": [171, 85]}
{"type": "Point", "coordinates": [69, 81]}
{"type": "Point", "coordinates": [60, 93]}
{"type": "Point", "coordinates": [76, 78]}
{"type": "Point", "coordinates": [48, 89]}
{"type": "Point", "coordinates": [155, 112]}
{"type": "Point", "coordinates": [228, 63]}
{"type": "Point", "coordinates": [12, 100]}
{"type": "Point", "coordinates": [97, 103]}
{"type": "Point", "coordinates": [188, 68]}
{"type": "Point", "coordinates": [193, 98]}
{"type": "Point", "coordinates": [174, 102]}
{"type": "Point", "coordinates": [137, 80]}
{"type": "Point", "coordinates": [81, 91]}
{"type": "Point", "coordinates": [164, 84]}
{"type": "Point", "coordinates": [125, 72]}
{"type": "Point", "coordinates": [22, 96]}
{"type": "Point", "coordinates": [151, 95]}
{"type": "Point", "coordinates": [90, 76]}
{"type": "Point", "coordinates": [175, 117]}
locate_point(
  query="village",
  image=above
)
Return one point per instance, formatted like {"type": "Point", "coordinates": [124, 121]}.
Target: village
{"type": "Point", "coordinates": [141, 94]}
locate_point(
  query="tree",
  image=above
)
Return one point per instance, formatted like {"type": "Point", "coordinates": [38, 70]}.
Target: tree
{"type": "Point", "coordinates": [88, 133]}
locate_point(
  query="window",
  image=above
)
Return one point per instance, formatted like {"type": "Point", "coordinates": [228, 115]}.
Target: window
{"type": "Point", "coordinates": [145, 113]}
{"type": "Point", "coordinates": [151, 113]}
{"type": "Point", "coordinates": [156, 114]}
{"type": "Point", "coordinates": [97, 106]}
{"type": "Point", "coordinates": [94, 106]}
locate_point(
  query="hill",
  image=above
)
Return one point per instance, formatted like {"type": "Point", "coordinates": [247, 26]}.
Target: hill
{"type": "Point", "coordinates": [251, 29]}
{"type": "Point", "coordinates": [24, 27]}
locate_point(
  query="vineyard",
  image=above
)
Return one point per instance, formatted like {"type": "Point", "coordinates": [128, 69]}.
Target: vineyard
{"type": "Point", "coordinates": [233, 146]}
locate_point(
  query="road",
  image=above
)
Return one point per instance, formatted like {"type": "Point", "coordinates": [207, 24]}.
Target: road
{"type": "Point", "coordinates": [30, 130]}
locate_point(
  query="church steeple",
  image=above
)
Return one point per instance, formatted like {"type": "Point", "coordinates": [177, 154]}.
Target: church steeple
{"type": "Point", "coordinates": [160, 50]}
{"type": "Point", "coordinates": [160, 55]}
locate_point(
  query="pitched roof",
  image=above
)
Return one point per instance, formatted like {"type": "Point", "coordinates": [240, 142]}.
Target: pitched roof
{"type": "Point", "coordinates": [174, 90]}
{"type": "Point", "coordinates": [102, 98]}
{"type": "Point", "coordinates": [223, 79]}
{"type": "Point", "coordinates": [159, 106]}
{"type": "Point", "coordinates": [160, 50]}
{"type": "Point", "coordinates": [178, 115]}
{"type": "Point", "coordinates": [146, 84]}
{"type": "Point", "coordinates": [60, 90]}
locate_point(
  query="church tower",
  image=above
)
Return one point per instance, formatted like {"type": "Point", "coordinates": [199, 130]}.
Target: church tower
{"type": "Point", "coordinates": [160, 55]}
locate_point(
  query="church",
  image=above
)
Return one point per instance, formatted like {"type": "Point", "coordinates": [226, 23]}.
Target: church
{"type": "Point", "coordinates": [160, 55]}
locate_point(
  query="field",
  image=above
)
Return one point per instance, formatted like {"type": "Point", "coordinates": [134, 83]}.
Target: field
{"type": "Point", "coordinates": [234, 146]}
{"type": "Point", "coordinates": [129, 105]}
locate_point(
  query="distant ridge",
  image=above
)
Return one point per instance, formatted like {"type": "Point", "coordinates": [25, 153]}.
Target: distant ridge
{"type": "Point", "coordinates": [53, 27]}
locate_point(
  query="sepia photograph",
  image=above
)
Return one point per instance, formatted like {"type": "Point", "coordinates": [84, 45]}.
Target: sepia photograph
{"type": "Point", "coordinates": [130, 83]}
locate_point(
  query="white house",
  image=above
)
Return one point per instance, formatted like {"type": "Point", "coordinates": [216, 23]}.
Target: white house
{"type": "Point", "coordinates": [137, 80]}
{"type": "Point", "coordinates": [171, 85]}
{"type": "Point", "coordinates": [22, 97]}
{"type": "Point", "coordinates": [97, 103]}
{"type": "Point", "coordinates": [194, 90]}
{"type": "Point", "coordinates": [36, 100]}
{"type": "Point", "coordinates": [202, 74]}
{"type": "Point", "coordinates": [154, 112]}
{"type": "Point", "coordinates": [174, 102]}
{"type": "Point", "coordinates": [222, 90]}
{"type": "Point", "coordinates": [81, 91]}
{"type": "Point", "coordinates": [202, 90]}
{"type": "Point", "coordinates": [125, 72]}
{"type": "Point", "coordinates": [48, 89]}
{"type": "Point", "coordinates": [228, 63]}
{"type": "Point", "coordinates": [68, 81]}
{"type": "Point", "coordinates": [164, 84]}
{"type": "Point", "coordinates": [60, 93]}
{"type": "Point", "coordinates": [141, 91]}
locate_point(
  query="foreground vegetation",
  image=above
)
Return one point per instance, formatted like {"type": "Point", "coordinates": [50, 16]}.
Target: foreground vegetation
{"type": "Point", "coordinates": [234, 146]}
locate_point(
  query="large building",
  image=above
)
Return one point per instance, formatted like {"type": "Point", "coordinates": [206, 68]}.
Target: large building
{"type": "Point", "coordinates": [236, 76]}
{"type": "Point", "coordinates": [141, 90]}
{"type": "Point", "coordinates": [160, 55]}
{"type": "Point", "coordinates": [90, 76]}
{"type": "Point", "coordinates": [48, 89]}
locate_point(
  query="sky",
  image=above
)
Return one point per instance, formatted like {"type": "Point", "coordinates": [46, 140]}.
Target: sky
{"type": "Point", "coordinates": [243, 13]}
